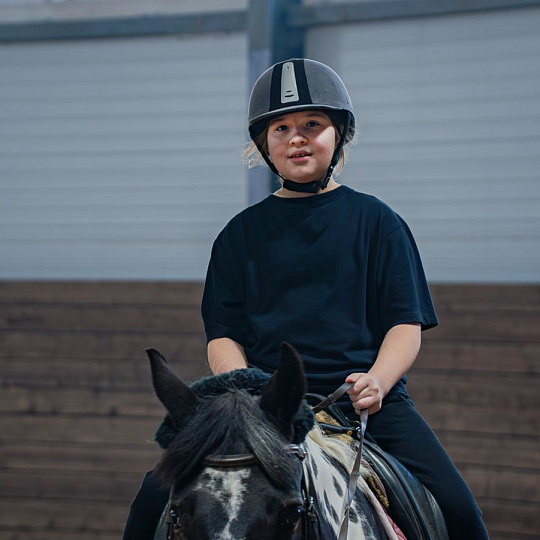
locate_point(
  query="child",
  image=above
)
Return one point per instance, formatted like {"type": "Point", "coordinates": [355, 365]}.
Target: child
{"type": "Point", "coordinates": [332, 271]}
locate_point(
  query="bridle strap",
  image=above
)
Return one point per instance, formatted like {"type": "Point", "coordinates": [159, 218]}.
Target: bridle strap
{"type": "Point", "coordinates": [355, 473]}
{"type": "Point", "coordinates": [332, 398]}
{"type": "Point", "coordinates": [244, 460]}
{"type": "Point", "coordinates": [234, 460]}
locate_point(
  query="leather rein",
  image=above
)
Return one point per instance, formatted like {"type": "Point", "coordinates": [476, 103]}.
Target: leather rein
{"type": "Point", "coordinates": [310, 519]}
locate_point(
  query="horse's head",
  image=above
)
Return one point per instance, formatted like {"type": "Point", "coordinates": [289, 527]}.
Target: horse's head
{"type": "Point", "coordinates": [213, 496]}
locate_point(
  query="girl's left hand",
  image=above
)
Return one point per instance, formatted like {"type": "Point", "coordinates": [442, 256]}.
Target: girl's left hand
{"type": "Point", "coordinates": [366, 393]}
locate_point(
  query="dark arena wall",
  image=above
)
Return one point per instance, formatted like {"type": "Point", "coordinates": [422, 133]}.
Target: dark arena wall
{"type": "Point", "coordinates": [77, 411]}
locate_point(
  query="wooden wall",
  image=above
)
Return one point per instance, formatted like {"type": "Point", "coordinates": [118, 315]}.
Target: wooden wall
{"type": "Point", "coordinates": [77, 413]}
{"type": "Point", "coordinates": [477, 383]}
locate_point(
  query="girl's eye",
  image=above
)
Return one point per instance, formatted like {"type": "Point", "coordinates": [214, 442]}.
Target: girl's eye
{"type": "Point", "coordinates": [312, 123]}
{"type": "Point", "coordinates": [281, 127]}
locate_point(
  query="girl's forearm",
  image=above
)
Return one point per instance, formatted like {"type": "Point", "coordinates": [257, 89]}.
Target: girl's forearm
{"type": "Point", "coordinates": [224, 355]}
{"type": "Point", "coordinates": [396, 355]}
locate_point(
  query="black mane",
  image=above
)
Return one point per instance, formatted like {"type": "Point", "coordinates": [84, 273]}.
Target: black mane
{"type": "Point", "coordinates": [229, 423]}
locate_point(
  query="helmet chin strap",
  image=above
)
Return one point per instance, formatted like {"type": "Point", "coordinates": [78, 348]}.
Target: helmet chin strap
{"type": "Point", "coordinates": [308, 187]}
{"type": "Point", "coordinates": [315, 185]}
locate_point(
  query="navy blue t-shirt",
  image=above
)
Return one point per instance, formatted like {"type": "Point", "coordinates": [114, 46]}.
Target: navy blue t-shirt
{"type": "Point", "coordinates": [330, 273]}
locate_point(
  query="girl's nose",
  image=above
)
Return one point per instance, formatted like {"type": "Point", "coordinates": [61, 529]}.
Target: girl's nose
{"type": "Point", "coordinates": [297, 137]}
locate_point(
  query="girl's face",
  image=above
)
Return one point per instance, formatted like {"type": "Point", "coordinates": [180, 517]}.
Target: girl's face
{"type": "Point", "coordinates": [301, 144]}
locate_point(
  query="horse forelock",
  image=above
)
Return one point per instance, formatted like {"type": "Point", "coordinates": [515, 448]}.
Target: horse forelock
{"type": "Point", "coordinates": [231, 423]}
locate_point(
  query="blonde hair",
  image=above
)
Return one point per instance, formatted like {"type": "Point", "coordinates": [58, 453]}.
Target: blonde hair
{"type": "Point", "coordinates": [252, 156]}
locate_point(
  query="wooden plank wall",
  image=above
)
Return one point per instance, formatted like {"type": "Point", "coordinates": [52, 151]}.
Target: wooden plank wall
{"type": "Point", "coordinates": [76, 408]}
{"type": "Point", "coordinates": [477, 383]}
{"type": "Point", "coordinates": [77, 413]}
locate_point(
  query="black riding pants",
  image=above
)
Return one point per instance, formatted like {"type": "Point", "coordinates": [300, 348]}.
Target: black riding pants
{"type": "Point", "coordinates": [146, 509]}
{"type": "Point", "coordinates": [400, 430]}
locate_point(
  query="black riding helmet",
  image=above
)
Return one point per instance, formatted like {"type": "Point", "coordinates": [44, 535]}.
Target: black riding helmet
{"type": "Point", "coordinates": [296, 85]}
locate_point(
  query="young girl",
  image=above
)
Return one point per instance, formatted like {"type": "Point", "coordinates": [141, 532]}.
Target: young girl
{"type": "Point", "coordinates": [332, 271]}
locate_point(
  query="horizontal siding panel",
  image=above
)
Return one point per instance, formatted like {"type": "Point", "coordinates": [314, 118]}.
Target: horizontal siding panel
{"type": "Point", "coordinates": [77, 429]}
{"type": "Point", "coordinates": [484, 420]}
{"type": "Point", "coordinates": [142, 124]}
{"type": "Point", "coordinates": [488, 129]}
{"type": "Point", "coordinates": [103, 106]}
{"type": "Point", "coordinates": [105, 292]}
{"type": "Point", "coordinates": [122, 374]}
{"type": "Point", "coordinates": [64, 515]}
{"type": "Point", "coordinates": [173, 232]}
{"type": "Point", "coordinates": [492, 298]}
{"type": "Point", "coordinates": [500, 356]}
{"type": "Point", "coordinates": [449, 30]}
{"type": "Point", "coordinates": [433, 92]}
{"type": "Point", "coordinates": [162, 260]}
{"type": "Point", "coordinates": [430, 150]}
{"type": "Point", "coordinates": [186, 353]}
{"type": "Point", "coordinates": [83, 401]}
{"type": "Point", "coordinates": [462, 55]}
{"type": "Point", "coordinates": [477, 109]}
{"type": "Point", "coordinates": [108, 144]}
{"type": "Point", "coordinates": [124, 161]}
{"type": "Point", "coordinates": [523, 486]}
{"type": "Point", "coordinates": [441, 171]}
{"type": "Point", "coordinates": [477, 389]}
{"type": "Point", "coordinates": [135, 178]}
{"type": "Point", "coordinates": [491, 452]}
{"type": "Point", "coordinates": [463, 188]}
{"type": "Point", "coordinates": [202, 66]}
{"type": "Point", "coordinates": [506, 519]}
{"type": "Point", "coordinates": [85, 457]}
{"type": "Point", "coordinates": [186, 319]}
{"type": "Point", "coordinates": [148, 50]}
{"type": "Point", "coordinates": [60, 486]}
{"type": "Point", "coordinates": [55, 534]}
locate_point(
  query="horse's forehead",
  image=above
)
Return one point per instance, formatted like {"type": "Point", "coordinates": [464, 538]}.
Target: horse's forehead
{"type": "Point", "coordinates": [224, 484]}
{"type": "Point", "coordinates": [231, 491]}
{"type": "Point", "coordinates": [226, 488]}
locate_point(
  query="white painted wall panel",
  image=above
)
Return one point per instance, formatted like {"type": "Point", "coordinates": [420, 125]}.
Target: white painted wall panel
{"type": "Point", "coordinates": [449, 114]}
{"type": "Point", "coordinates": [119, 159]}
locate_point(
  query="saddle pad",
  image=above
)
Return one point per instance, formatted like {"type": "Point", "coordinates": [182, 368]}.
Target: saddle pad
{"type": "Point", "coordinates": [411, 506]}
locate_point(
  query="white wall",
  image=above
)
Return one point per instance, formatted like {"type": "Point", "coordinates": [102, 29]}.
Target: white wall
{"type": "Point", "coordinates": [449, 110]}
{"type": "Point", "coordinates": [119, 158]}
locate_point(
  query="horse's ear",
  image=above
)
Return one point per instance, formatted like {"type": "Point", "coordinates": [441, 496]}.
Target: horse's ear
{"type": "Point", "coordinates": [177, 396]}
{"type": "Point", "coordinates": [283, 394]}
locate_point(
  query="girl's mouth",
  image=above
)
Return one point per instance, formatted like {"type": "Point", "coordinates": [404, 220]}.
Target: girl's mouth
{"type": "Point", "coordinates": [300, 157]}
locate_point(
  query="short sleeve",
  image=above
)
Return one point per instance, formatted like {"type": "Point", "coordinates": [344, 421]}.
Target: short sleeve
{"type": "Point", "coordinates": [402, 290]}
{"type": "Point", "coordinates": [223, 307]}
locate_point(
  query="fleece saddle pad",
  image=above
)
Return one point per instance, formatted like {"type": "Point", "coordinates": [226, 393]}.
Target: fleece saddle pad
{"type": "Point", "coordinates": [411, 506]}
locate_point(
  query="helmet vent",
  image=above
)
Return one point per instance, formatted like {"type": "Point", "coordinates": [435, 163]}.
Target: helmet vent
{"type": "Point", "coordinates": [289, 90]}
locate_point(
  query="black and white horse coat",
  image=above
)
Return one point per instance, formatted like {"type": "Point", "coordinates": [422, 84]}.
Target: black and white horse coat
{"type": "Point", "coordinates": [260, 498]}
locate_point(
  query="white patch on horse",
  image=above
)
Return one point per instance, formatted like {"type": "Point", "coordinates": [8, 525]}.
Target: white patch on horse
{"type": "Point", "coordinates": [325, 485]}
{"type": "Point", "coordinates": [331, 484]}
{"type": "Point", "coordinates": [229, 488]}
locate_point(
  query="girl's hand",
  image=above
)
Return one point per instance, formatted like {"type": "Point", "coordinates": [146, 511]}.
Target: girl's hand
{"type": "Point", "coordinates": [366, 393]}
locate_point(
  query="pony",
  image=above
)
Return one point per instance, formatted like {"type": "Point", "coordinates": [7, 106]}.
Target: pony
{"type": "Point", "coordinates": [240, 466]}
